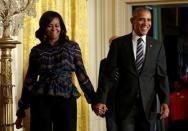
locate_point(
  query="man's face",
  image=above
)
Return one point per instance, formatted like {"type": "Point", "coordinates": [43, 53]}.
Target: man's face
{"type": "Point", "coordinates": [141, 23]}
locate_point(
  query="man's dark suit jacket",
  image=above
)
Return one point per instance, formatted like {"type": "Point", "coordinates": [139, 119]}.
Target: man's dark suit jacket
{"type": "Point", "coordinates": [101, 83]}
{"type": "Point", "coordinates": [111, 113]}
{"type": "Point", "coordinates": [151, 81]}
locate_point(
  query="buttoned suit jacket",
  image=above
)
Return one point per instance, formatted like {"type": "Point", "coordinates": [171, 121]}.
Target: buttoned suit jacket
{"type": "Point", "coordinates": [152, 79]}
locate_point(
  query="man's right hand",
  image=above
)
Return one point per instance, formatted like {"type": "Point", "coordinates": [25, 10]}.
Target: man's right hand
{"type": "Point", "coordinates": [100, 109]}
{"type": "Point", "coordinates": [19, 123]}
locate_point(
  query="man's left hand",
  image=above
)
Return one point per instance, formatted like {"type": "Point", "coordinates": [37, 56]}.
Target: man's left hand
{"type": "Point", "coordinates": [164, 111]}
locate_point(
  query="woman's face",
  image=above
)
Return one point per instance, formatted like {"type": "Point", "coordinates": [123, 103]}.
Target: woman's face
{"type": "Point", "coordinates": [53, 30]}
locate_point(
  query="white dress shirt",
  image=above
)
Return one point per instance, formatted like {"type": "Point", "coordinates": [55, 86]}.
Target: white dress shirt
{"type": "Point", "coordinates": [135, 37]}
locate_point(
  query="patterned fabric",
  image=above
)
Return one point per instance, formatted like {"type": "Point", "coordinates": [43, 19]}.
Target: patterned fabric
{"type": "Point", "coordinates": [50, 73]}
{"type": "Point", "coordinates": [139, 55]}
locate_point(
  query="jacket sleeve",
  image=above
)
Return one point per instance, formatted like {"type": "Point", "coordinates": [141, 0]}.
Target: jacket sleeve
{"type": "Point", "coordinates": [104, 85]}
{"type": "Point", "coordinates": [108, 74]}
{"type": "Point", "coordinates": [30, 79]}
{"type": "Point", "coordinates": [161, 77]}
{"type": "Point", "coordinates": [82, 76]}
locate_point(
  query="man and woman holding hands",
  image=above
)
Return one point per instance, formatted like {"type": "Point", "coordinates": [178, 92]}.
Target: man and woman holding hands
{"type": "Point", "coordinates": [131, 76]}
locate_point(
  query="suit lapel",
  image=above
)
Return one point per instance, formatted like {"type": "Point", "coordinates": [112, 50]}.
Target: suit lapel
{"type": "Point", "coordinates": [147, 54]}
{"type": "Point", "coordinates": [131, 49]}
{"type": "Point", "coordinates": [131, 53]}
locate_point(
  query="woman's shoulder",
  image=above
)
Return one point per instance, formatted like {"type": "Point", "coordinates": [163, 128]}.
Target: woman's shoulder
{"type": "Point", "coordinates": [37, 48]}
{"type": "Point", "coordinates": [72, 44]}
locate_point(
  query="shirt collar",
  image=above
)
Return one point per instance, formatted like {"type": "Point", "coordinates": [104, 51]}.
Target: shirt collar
{"type": "Point", "coordinates": [135, 37]}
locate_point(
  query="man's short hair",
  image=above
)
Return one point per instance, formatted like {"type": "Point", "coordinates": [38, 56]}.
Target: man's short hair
{"type": "Point", "coordinates": [140, 9]}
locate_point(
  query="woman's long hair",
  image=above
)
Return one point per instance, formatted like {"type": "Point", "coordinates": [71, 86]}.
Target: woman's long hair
{"type": "Point", "coordinates": [45, 20]}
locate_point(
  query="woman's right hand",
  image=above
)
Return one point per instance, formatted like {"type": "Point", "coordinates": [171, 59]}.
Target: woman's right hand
{"type": "Point", "coordinates": [19, 123]}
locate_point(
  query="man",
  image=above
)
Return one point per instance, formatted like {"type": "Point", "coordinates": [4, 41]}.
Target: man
{"type": "Point", "coordinates": [110, 114]}
{"type": "Point", "coordinates": [142, 74]}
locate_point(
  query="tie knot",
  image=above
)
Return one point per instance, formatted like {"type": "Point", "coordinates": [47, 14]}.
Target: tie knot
{"type": "Point", "coordinates": [139, 40]}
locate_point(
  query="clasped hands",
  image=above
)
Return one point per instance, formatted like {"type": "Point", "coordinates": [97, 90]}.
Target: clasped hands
{"type": "Point", "coordinates": [100, 109]}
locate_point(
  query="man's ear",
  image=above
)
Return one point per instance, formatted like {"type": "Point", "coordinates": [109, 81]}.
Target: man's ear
{"type": "Point", "coordinates": [131, 20]}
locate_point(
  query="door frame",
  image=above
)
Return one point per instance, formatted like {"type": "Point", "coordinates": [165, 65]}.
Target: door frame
{"type": "Point", "coordinates": [123, 11]}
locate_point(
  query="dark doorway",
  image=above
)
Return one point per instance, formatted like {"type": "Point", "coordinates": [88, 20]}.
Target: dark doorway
{"type": "Point", "coordinates": [174, 32]}
{"type": "Point", "coordinates": [174, 21]}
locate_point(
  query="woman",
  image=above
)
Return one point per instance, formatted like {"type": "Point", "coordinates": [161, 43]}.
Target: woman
{"type": "Point", "coordinates": [48, 88]}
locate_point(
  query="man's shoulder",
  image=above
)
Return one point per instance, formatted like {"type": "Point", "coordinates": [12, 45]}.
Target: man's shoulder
{"type": "Point", "coordinates": [103, 61]}
{"type": "Point", "coordinates": [152, 39]}
{"type": "Point", "coordinates": [122, 39]}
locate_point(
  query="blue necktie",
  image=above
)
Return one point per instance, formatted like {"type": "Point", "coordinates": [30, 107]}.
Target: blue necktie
{"type": "Point", "coordinates": [139, 55]}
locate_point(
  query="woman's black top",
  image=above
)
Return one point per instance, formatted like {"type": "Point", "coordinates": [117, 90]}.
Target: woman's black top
{"type": "Point", "coordinates": [50, 74]}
